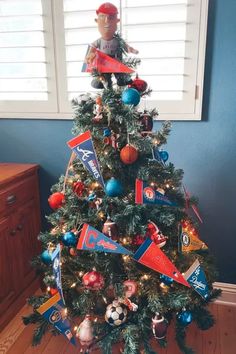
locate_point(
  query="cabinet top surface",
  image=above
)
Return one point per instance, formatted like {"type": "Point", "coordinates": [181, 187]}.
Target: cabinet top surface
{"type": "Point", "coordinates": [9, 171]}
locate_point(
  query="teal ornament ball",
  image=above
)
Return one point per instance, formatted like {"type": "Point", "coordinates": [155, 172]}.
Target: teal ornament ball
{"type": "Point", "coordinates": [46, 257]}
{"type": "Point", "coordinates": [184, 317]}
{"type": "Point", "coordinates": [131, 96]}
{"type": "Point", "coordinates": [113, 188]}
{"type": "Point", "coordinates": [164, 155]}
{"type": "Point", "coordinates": [69, 239]}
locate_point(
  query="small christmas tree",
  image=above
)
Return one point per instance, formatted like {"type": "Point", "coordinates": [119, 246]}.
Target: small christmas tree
{"type": "Point", "coordinates": [123, 257]}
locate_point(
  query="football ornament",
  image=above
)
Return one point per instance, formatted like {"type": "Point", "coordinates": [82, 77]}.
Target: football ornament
{"type": "Point", "coordinates": [116, 313]}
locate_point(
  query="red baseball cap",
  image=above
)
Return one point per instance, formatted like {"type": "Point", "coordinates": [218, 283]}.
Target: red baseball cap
{"type": "Point", "coordinates": [107, 8]}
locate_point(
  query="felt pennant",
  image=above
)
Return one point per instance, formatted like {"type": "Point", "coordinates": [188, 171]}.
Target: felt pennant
{"type": "Point", "coordinates": [56, 260]}
{"type": "Point", "coordinates": [151, 256]}
{"type": "Point", "coordinates": [93, 240]}
{"type": "Point", "coordinates": [54, 311]}
{"type": "Point", "coordinates": [189, 239]}
{"type": "Point", "coordinates": [103, 63]}
{"type": "Point", "coordinates": [196, 277]}
{"type": "Point", "coordinates": [145, 194]}
{"type": "Point", "coordinates": [82, 145]}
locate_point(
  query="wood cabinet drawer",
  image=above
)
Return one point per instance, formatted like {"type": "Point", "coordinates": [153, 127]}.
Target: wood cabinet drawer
{"type": "Point", "coordinates": [17, 194]}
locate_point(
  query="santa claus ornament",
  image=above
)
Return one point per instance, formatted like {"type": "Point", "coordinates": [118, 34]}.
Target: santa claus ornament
{"type": "Point", "coordinates": [128, 154]}
{"type": "Point", "coordinates": [93, 280]}
{"type": "Point", "coordinates": [85, 331]}
{"type": "Point", "coordinates": [155, 234]}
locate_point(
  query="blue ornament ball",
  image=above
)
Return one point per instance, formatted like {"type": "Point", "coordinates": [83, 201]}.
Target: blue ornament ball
{"type": "Point", "coordinates": [164, 155]}
{"type": "Point", "coordinates": [166, 280]}
{"type": "Point", "coordinates": [113, 188]}
{"type": "Point", "coordinates": [131, 96]}
{"type": "Point", "coordinates": [46, 257]}
{"type": "Point", "coordinates": [184, 317]}
{"type": "Point", "coordinates": [69, 239]}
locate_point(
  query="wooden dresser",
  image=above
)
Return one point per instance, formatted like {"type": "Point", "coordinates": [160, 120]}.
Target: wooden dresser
{"type": "Point", "coordinates": [19, 228]}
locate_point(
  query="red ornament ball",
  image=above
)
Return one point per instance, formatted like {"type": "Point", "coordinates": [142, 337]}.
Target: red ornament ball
{"type": "Point", "coordinates": [128, 154]}
{"type": "Point", "coordinates": [93, 280]}
{"type": "Point", "coordinates": [78, 188]}
{"type": "Point", "coordinates": [56, 200]}
{"type": "Point", "coordinates": [139, 85]}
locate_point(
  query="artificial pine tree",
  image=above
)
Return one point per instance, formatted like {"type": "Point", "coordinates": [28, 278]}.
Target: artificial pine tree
{"type": "Point", "coordinates": [119, 241]}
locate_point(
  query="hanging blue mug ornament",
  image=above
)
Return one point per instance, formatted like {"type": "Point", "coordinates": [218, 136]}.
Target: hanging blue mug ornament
{"type": "Point", "coordinates": [166, 280]}
{"type": "Point", "coordinates": [106, 132]}
{"type": "Point", "coordinates": [113, 188]}
{"type": "Point", "coordinates": [69, 239]}
{"type": "Point", "coordinates": [131, 96]}
{"type": "Point", "coordinates": [184, 317]}
{"type": "Point", "coordinates": [164, 155]}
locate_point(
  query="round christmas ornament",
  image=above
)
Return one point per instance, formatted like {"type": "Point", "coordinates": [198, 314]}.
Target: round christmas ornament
{"type": "Point", "coordinates": [93, 280]}
{"type": "Point", "coordinates": [164, 155]}
{"type": "Point", "coordinates": [46, 257]}
{"type": "Point", "coordinates": [113, 188]}
{"type": "Point", "coordinates": [69, 239]}
{"type": "Point", "coordinates": [78, 187]}
{"type": "Point", "coordinates": [85, 331]}
{"type": "Point", "coordinates": [137, 240]}
{"type": "Point", "coordinates": [159, 326]}
{"type": "Point", "coordinates": [110, 229]}
{"type": "Point", "coordinates": [116, 313]}
{"type": "Point", "coordinates": [138, 84]}
{"type": "Point", "coordinates": [130, 288]}
{"type": "Point", "coordinates": [56, 200]}
{"type": "Point", "coordinates": [184, 317]}
{"type": "Point", "coordinates": [131, 96]}
{"type": "Point", "coordinates": [128, 154]}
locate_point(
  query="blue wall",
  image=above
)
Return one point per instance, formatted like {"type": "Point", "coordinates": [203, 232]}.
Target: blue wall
{"type": "Point", "coordinates": [205, 150]}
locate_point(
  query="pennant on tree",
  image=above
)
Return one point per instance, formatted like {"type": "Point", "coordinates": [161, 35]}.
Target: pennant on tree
{"type": "Point", "coordinates": [151, 256]}
{"type": "Point", "coordinates": [194, 208]}
{"type": "Point", "coordinates": [103, 63]}
{"type": "Point", "coordinates": [197, 279]}
{"type": "Point", "coordinates": [93, 240]}
{"type": "Point", "coordinates": [82, 145]}
{"type": "Point", "coordinates": [54, 311]}
{"type": "Point", "coordinates": [56, 261]}
{"type": "Point", "coordinates": [145, 194]}
{"type": "Point", "coordinates": [189, 238]}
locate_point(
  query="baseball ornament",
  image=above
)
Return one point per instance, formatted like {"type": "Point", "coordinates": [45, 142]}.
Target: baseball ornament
{"type": "Point", "coordinates": [93, 280]}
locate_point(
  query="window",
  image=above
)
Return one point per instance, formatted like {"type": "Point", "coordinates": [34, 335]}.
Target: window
{"type": "Point", "coordinates": [43, 45]}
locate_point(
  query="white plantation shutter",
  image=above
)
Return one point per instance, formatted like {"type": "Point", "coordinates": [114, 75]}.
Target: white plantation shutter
{"type": "Point", "coordinates": [41, 55]}
{"type": "Point", "coordinates": [27, 76]}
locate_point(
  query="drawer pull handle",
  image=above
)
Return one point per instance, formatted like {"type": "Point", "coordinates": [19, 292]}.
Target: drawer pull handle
{"type": "Point", "coordinates": [20, 227]}
{"type": "Point", "coordinates": [13, 232]}
{"type": "Point", "coordinates": [11, 199]}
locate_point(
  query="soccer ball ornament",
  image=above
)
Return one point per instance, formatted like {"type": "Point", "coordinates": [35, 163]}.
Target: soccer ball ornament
{"type": "Point", "coordinates": [93, 280]}
{"type": "Point", "coordinates": [116, 313]}
{"type": "Point", "coordinates": [128, 154]}
{"type": "Point", "coordinates": [131, 96]}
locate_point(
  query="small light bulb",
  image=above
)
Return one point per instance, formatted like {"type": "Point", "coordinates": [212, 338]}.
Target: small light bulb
{"type": "Point", "coordinates": [73, 285]}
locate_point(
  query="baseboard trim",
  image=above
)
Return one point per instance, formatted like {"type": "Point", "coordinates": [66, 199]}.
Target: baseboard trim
{"type": "Point", "coordinates": [228, 296]}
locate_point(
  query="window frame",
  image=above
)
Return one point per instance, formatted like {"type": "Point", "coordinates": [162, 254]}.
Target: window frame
{"type": "Point", "coordinates": [60, 108]}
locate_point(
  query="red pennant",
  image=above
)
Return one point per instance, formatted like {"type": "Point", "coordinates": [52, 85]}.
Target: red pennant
{"type": "Point", "coordinates": [103, 63]}
{"type": "Point", "coordinates": [151, 256]}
